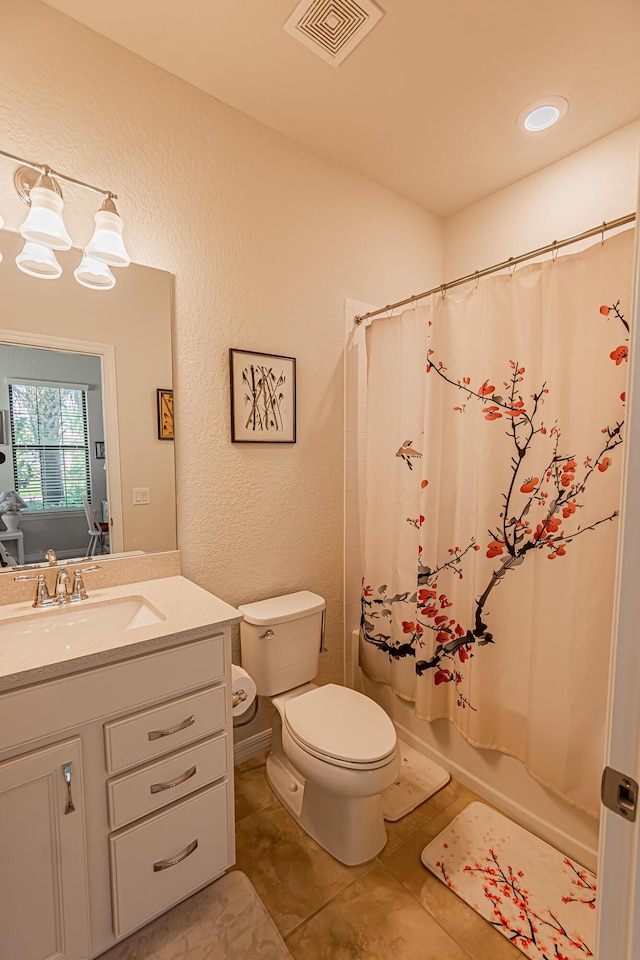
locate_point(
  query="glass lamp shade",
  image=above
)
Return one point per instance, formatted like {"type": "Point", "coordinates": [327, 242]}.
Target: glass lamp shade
{"type": "Point", "coordinates": [94, 274]}
{"type": "Point", "coordinates": [106, 244]}
{"type": "Point", "coordinates": [44, 224]}
{"type": "Point", "coordinates": [38, 261]}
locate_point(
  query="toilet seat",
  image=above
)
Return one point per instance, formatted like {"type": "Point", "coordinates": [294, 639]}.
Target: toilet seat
{"type": "Point", "coordinates": [341, 726]}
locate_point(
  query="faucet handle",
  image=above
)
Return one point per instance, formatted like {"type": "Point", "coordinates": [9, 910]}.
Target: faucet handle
{"type": "Point", "coordinates": [42, 591]}
{"type": "Point", "coordinates": [78, 591]}
{"type": "Point", "coordinates": [50, 557]}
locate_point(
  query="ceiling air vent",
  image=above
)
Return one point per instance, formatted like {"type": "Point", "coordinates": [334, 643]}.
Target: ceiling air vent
{"type": "Point", "coordinates": [333, 28]}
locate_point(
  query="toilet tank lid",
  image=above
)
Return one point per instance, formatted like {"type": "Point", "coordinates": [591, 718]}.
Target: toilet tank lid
{"type": "Point", "coordinates": [292, 606]}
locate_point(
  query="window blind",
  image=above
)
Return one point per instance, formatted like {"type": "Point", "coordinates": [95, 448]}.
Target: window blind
{"type": "Point", "coordinates": [50, 438]}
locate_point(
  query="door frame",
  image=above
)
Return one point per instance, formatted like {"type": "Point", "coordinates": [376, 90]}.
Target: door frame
{"type": "Point", "coordinates": [619, 851]}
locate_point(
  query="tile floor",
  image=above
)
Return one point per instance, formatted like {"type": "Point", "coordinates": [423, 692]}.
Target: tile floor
{"type": "Point", "coordinates": [388, 908]}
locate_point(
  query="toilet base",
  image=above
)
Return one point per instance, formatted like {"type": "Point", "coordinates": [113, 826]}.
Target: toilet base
{"type": "Point", "coordinates": [287, 785]}
{"type": "Point", "coordinates": [351, 829]}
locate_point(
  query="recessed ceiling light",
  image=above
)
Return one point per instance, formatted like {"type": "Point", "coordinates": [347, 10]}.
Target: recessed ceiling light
{"type": "Point", "coordinates": [542, 114]}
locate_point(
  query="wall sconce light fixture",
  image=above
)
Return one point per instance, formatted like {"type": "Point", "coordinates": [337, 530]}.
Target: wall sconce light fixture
{"type": "Point", "coordinates": [44, 230]}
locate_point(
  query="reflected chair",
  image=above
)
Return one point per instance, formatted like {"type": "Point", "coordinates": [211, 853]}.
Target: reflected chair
{"type": "Point", "coordinates": [98, 532]}
{"type": "Point", "coordinates": [6, 560]}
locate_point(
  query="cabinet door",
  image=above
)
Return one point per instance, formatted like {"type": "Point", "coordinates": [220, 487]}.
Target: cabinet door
{"type": "Point", "coordinates": [43, 870]}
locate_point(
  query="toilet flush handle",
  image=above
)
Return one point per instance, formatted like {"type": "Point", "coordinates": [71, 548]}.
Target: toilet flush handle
{"type": "Point", "coordinates": [267, 635]}
{"type": "Point", "coordinates": [323, 648]}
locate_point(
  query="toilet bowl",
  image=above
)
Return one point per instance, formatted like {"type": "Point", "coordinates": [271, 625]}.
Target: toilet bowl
{"type": "Point", "coordinates": [334, 751]}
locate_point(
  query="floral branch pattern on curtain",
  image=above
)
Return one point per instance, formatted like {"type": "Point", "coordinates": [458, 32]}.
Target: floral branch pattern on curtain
{"type": "Point", "coordinates": [555, 495]}
{"type": "Point", "coordinates": [542, 474]}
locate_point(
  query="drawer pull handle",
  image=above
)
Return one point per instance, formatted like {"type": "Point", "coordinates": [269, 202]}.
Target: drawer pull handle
{"type": "Point", "coordinates": [159, 787]}
{"type": "Point", "coordinates": [165, 864]}
{"type": "Point", "coordinates": [66, 773]}
{"type": "Point", "coordinates": [156, 734]}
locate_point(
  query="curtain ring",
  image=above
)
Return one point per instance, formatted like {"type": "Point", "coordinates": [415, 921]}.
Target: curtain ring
{"type": "Point", "coordinates": [477, 279]}
{"type": "Point", "coordinates": [443, 290]}
{"type": "Point", "coordinates": [512, 267]}
{"type": "Point", "coordinates": [604, 227]}
{"type": "Point", "coordinates": [554, 251]}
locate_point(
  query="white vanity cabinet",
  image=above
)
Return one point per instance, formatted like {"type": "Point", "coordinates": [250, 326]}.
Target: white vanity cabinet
{"type": "Point", "coordinates": [149, 740]}
{"type": "Point", "coordinates": [44, 910]}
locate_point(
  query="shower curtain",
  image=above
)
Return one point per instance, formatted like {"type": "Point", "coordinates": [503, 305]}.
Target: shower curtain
{"type": "Point", "coordinates": [495, 424]}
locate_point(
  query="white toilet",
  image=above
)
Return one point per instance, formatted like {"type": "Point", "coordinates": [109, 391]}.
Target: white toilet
{"type": "Point", "coordinates": [334, 750]}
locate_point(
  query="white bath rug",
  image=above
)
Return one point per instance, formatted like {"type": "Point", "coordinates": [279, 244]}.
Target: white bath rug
{"type": "Point", "coordinates": [540, 900]}
{"type": "Point", "coordinates": [225, 921]}
{"type": "Point", "coordinates": [417, 780]}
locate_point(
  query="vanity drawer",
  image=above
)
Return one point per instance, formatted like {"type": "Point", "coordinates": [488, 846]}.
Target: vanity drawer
{"type": "Point", "coordinates": [143, 791]}
{"type": "Point", "coordinates": [159, 861]}
{"type": "Point", "coordinates": [61, 705]}
{"type": "Point", "coordinates": [143, 736]}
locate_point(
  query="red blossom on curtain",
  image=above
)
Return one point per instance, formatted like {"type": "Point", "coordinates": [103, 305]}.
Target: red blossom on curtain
{"type": "Point", "coordinates": [555, 494]}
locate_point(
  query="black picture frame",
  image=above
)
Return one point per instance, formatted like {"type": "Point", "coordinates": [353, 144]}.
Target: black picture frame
{"type": "Point", "coordinates": [165, 414]}
{"type": "Point", "coordinates": [100, 455]}
{"type": "Point", "coordinates": [263, 397]}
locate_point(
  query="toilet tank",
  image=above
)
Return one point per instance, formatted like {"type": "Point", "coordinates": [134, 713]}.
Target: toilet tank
{"type": "Point", "coordinates": [280, 640]}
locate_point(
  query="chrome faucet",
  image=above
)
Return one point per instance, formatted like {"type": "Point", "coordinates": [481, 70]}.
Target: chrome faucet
{"type": "Point", "coordinates": [61, 591]}
{"type": "Point", "coordinates": [61, 594]}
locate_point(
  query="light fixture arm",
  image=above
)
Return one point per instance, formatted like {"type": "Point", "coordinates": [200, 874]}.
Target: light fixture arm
{"type": "Point", "coordinates": [46, 171]}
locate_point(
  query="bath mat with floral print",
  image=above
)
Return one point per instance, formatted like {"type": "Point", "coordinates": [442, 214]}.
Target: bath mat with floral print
{"type": "Point", "coordinates": [417, 780]}
{"type": "Point", "coordinates": [537, 898]}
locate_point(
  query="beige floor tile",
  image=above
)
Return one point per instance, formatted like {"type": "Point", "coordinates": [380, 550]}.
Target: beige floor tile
{"type": "Point", "coordinates": [399, 830]}
{"type": "Point", "coordinates": [467, 928]}
{"type": "Point", "coordinates": [291, 873]}
{"type": "Point", "coordinates": [252, 792]}
{"type": "Point", "coordinates": [375, 918]}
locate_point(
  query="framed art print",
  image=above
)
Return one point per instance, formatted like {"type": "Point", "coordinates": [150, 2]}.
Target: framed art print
{"type": "Point", "coordinates": [263, 397]}
{"type": "Point", "coordinates": [165, 414]}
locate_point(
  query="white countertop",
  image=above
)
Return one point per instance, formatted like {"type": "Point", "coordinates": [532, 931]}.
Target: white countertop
{"type": "Point", "coordinates": [188, 613]}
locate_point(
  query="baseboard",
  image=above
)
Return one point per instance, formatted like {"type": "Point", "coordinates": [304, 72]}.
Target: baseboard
{"type": "Point", "coordinates": [245, 749]}
{"type": "Point", "coordinates": [541, 827]}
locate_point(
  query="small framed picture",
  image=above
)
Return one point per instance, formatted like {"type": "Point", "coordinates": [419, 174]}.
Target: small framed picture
{"type": "Point", "coordinates": [263, 397]}
{"type": "Point", "coordinates": [99, 449]}
{"type": "Point", "coordinates": [165, 414]}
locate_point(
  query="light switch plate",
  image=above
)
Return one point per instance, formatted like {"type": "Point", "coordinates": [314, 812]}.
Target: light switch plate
{"type": "Point", "coordinates": [141, 496]}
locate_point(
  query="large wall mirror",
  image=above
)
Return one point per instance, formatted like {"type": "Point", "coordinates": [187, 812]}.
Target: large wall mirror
{"type": "Point", "coordinates": [80, 372]}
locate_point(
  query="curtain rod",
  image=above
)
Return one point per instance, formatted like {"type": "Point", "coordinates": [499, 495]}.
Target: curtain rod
{"type": "Point", "coordinates": [511, 262]}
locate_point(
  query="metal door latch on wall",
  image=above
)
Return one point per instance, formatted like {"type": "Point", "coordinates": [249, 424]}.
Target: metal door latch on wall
{"type": "Point", "coordinates": [619, 793]}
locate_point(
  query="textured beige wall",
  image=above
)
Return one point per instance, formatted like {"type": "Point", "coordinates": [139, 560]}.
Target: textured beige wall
{"type": "Point", "coordinates": [599, 182]}
{"type": "Point", "coordinates": [265, 240]}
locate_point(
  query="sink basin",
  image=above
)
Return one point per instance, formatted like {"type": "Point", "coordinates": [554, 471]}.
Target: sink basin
{"type": "Point", "coordinates": [65, 626]}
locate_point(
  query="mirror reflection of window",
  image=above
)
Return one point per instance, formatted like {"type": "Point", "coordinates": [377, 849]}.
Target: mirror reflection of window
{"type": "Point", "coordinates": [50, 440]}
{"type": "Point", "coordinates": [54, 413]}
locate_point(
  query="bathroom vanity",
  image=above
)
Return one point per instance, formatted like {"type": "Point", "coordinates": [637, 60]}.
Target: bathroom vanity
{"type": "Point", "coordinates": [116, 763]}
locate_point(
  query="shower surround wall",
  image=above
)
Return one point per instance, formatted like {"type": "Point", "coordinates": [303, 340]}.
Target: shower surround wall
{"type": "Point", "coordinates": [597, 183]}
